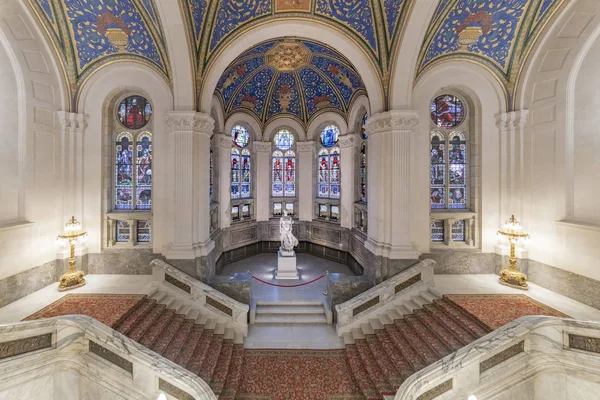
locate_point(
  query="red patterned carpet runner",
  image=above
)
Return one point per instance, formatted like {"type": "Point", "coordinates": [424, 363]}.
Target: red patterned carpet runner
{"type": "Point", "coordinates": [371, 368]}
{"type": "Point", "coordinates": [106, 308]}
{"type": "Point", "coordinates": [496, 310]}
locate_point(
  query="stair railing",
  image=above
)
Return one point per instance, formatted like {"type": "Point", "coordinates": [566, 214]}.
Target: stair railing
{"type": "Point", "coordinates": [388, 294]}
{"type": "Point", "coordinates": [510, 358]}
{"type": "Point", "coordinates": [96, 358]}
{"type": "Point", "coordinates": [218, 305]}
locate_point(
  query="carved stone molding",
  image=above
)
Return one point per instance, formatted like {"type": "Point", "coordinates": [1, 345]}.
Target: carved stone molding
{"type": "Point", "coordinates": [347, 141]}
{"type": "Point", "coordinates": [511, 121]}
{"type": "Point", "coordinates": [405, 120]}
{"type": "Point", "coordinates": [305, 147]}
{"type": "Point", "coordinates": [72, 122]}
{"type": "Point", "coordinates": [190, 121]}
{"type": "Point", "coordinates": [262, 147]}
{"type": "Point", "coordinates": [223, 141]}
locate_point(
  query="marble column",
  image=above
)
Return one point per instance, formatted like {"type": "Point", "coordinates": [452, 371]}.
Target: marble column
{"type": "Point", "coordinates": [389, 184]}
{"type": "Point", "coordinates": [223, 146]}
{"type": "Point", "coordinates": [73, 128]}
{"type": "Point", "coordinates": [262, 205]}
{"type": "Point", "coordinates": [348, 150]}
{"type": "Point", "coordinates": [305, 175]}
{"type": "Point", "coordinates": [190, 137]}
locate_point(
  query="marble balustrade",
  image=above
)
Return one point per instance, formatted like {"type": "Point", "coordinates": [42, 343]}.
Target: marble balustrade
{"type": "Point", "coordinates": [199, 295]}
{"type": "Point", "coordinates": [388, 294]}
{"type": "Point", "coordinates": [533, 357]}
{"type": "Point", "coordinates": [75, 356]}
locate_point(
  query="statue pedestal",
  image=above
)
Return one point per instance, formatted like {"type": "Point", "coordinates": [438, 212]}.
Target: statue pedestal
{"type": "Point", "coordinates": [286, 265]}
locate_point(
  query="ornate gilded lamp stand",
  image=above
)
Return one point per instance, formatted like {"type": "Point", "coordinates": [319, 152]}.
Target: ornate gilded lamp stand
{"type": "Point", "coordinates": [511, 276]}
{"type": "Point", "coordinates": [72, 235]}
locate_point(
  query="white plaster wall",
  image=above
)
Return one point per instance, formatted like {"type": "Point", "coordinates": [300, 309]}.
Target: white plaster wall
{"type": "Point", "coordinates": [586, 146]}
{"type": "Point", "coordinates": [565, 231]}
{"type": "Point", "coordinates": [31, 91]}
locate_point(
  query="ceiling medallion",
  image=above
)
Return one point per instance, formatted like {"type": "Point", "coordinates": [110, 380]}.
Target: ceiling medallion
{"type": "Point", "coordinates": [288, 56]}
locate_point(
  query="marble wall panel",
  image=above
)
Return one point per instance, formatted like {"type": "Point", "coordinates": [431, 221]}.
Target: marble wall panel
{"type": "Point", "coordinates": [24, 283]}
{"type": "Point", "coordinates": [332, 236]}
{"type": "Point", "coordinates": [341, 288]}
{"type": "Point", "coordinates": [237, 287]}
{"type": "Point", "coordinates": [243, 235]}
{"type": "Point", "coordinates": [121, 261]}
{"type": "Point", "coordinates": [461, 261]}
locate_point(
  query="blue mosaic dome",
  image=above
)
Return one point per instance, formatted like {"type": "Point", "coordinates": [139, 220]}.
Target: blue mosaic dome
{"type": "Point", "coordinates": [289, 77]}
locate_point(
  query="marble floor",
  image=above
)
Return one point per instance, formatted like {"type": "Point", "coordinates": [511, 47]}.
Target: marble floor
{"type": "Point", "coordinates": [318, 336]}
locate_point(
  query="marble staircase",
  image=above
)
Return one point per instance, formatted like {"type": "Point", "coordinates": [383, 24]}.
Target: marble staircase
{"type": "Point", "coordinates": [193, 340]}
{"type": "Point", "coordinates": [289, 312]}
{"type": "Point", "coordinates": [398, 342]}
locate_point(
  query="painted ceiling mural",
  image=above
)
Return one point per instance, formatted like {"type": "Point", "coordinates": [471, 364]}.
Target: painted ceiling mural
{"type": "Point", "coordinates": [291, 77]}
{"type": "Point", "coordinates": [497, 34]}
{"type": "Point", "coordinates": [91, 33]}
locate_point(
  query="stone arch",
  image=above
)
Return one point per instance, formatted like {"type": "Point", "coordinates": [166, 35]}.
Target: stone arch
{"type": "Point", "coordinates": [359, 108]}
{"type": "Point", "coordinates": [305, 29]}
{"type": "Point", "coordinates": [247, 121]}
{"type": "Point", "coordinates": [322, 121]}
{"type": "Point", "coordinates": [288, 123]}
{"type": "Point", "coordinates": [216, 112]}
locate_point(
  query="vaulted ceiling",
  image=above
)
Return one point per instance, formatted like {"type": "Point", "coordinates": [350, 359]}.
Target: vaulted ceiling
{"type": "Point", "coordinates": [497, 34]}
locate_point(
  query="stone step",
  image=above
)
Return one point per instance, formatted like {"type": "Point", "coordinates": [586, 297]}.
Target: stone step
{"type": "Point", "coordinates": [291, 319]}
{"type": "Point", "coordinates": [289, 303]}
{"type": "Point", "coordinates": [290, 309]}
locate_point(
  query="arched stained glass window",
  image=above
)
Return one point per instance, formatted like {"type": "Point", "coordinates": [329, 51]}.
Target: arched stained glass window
{"type": "Point", "coordinates": [363, 134]}
{"type": "Point", "coordinates": [246, 176]}
{"type": "Point", "coordinates": [457, 154]}
{"type": "Point", "coordinates": [124, 171]}
{"type": "Point", "coordinates": [329, 136]}
{"type": "Point", "coordinates": [447, 111]}
{"type": "Point", "coordinates": [284, 165]}
{"type": "Point", "coordinates": [240, 136]}
{"type": "Point", "coordinates": [134, 112]}
{"type": "Point", "coordinates": [448, 173]}
{"type": "Point", "coordinates": [329, 173]}
{"type": "Point", "coordinates": [211, 176]}
{"type": "Point", "coordinates": [363, 172]}
{"type": "Point", "coordinates": [438, 170]}
{"type": "Point", "coordinates": [144, 171]}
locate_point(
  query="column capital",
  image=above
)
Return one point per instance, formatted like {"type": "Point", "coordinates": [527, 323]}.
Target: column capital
{"type": "Point", "coordinates": [223, 141]}
{"type": "Point", "coordinates": [509, 121]}
{"type": "Point", "coordinates": [262, 147]}
{"type": "Point", "coordinates": [347, 141]}
{"type": "Point", "coordinates": [190, 121]}
{"type": "Point", "coordinates": [71, 122]}
{"type": "Point", "coordinates": [394, 120]}
{"type": "Point", "coordinates": [305, 147]}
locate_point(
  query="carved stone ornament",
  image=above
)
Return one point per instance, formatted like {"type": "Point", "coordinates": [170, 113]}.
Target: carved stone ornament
{"type": "Point", "coordinates": [288, 56]}
{"type": "Point", "coordinates": [511, 121]}
{"type": "Point", "coordinates": [262, 147]}
{"type": "Point", "coordinates": [346, 141]}
{"type": "Point", "coordinates": [72, 122]}
{"type": "Point", "coordinates": [185, 122]}
{"type": "Point", "coordinates": [223, 141]}
{"type": "Point", "coordinates": [305, 147]}
{"type": "Point", "coordinates": [391, 121]}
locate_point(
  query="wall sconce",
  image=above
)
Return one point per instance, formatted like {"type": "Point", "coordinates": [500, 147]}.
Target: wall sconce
{"type": "Point", "coordinates": [510, 276]}
{"type": "Point", "coordinates": [72, 235]}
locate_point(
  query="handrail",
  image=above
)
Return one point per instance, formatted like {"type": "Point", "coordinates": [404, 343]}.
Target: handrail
{"type": "Point", "coordinates": [88, 343]}
{"type": "Point", "coordinates": [528, 346]}
{"type": "Point", "coordinates": [402, 286]}
{"type": "Point", "coordinates": [221, 306]}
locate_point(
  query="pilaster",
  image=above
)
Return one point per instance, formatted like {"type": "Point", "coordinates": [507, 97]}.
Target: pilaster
{"type": "Point", "coordinates": [306, 188]}
{"type": "Point", "coordinates": [389, 184]}
{"type": "Point", "coordinates": [223, 146]}
{"type": "Point", "coordinates": [262, 152]}
{"type": "Point", "coordinates": [190, 135]}
{"type": "Point", "coordinates": [73, 128]}
{"type": "Point", "coordinates": [348, 150]}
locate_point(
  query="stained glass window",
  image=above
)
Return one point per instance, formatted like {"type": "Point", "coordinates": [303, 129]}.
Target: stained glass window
{"type": "Point", "coordinates": [235, 213]}
{"type": "Point", "coordinates": [438, 170]}
{"type": "Point", "coordinates": [437, 230]}
{"type": "Point", "coordinates": [457, 153]}
{"type": "Point", "coordinates": [283, 179]}
{"type": "Point", "coordinates": [363, 134]}
{"type": "Point", "coordinates": [241, 174]}
{"type": "Point", "coordinates": [289, 209]}
{"type": "Point", "coordinates": [323, 211]}
{"type": "Point", "coordinates": [329, 136]}
{"type": "Point", "coordinates": [235, 173]}
{"type": "Point", "coordinates": [134, 112]}
{"type": "Point", "coordinates": [363, 172]}
{"type": "Point", "coordinates": [210, 176]}
{"type": "Point", "coordinates": [144, 233]}
{"type": "Point", "coordinates": [144, 171]}
{"type": "Point", "coordinates": [277, 209]}
{"type": "Point", "coordinates": [123, 231]}
{"type": "Point", "coordinates": [447, 111]}
{"type": "Point", "coordinates": [124, 171]}
{"type": "Point", "coordinates": [240, 136]}
{"type": "Point", "coordinates": [335, 213]}
{"type": "Point", "coordinates": [458, 231]}
{"type": "Point", "coordinates": [329, 173]}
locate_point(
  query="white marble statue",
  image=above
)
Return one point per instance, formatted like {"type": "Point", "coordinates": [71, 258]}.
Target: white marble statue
{"type": "Point", "coordinates": [288, 240]}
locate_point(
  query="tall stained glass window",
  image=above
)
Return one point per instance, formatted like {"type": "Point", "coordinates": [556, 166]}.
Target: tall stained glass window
{"type": "Point", "coordinates": [363, 172]}
{"type": "Point", "coordinates": [133, 193]}
{"type": "Point", "coordinates": [124, 171]}
{"type": "Point", "coordinates": [210, 175]}
{"type": "Point", "coordinates": [329, 164]}
{"type": "Point", "coordinates": [283, 179]}
{"type": "Point", "coordinates": [144, 172]}
{"type": "Point", "coordinates": [241, 164]}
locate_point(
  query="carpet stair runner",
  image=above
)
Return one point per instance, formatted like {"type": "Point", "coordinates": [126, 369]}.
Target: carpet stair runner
{"type": "Point", "coordinates": [399, 342]}
{"type": "Point", "coordinates": [189, 339]}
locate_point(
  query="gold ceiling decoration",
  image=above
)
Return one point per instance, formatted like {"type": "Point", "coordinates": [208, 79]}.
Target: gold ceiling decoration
{"type": "Point", "coordinates": [288, 56]}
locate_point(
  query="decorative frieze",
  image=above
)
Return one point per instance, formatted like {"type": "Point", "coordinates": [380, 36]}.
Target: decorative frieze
{"type": "Point", "coordinates": [172, 390]}
{"type": "Point", "coordinates": [27, 345]}
{"type": "Point", "coordinates": [501, 357]}
{"type": "Point", "coordinates": [365, 306]}
{"type": "Point", "coordinates": [72, 122]}
{"type": "Point", "coordinates": [262, 147]}
{"type": "Point", "coordinates": [407, 283]}
{"type": "Point", "coordinates": [190, 121]}
{"type": "Point", "coordinates": [585, 343]}
{"type": "Point", "coordinates": [305, 147]}
{"type": "Point", "coordinates": [177, 283]}
{"type": "Point", "coordinates": [219, 306]}
{"type": "Point", "coordinates": [436, 391]}
{"type": "Point", "coordinates": [110, 356]}
{"type": "Point", "coordinates": [346, 141]}
{"type": "Point", "coordinates": [402, 120]}
{"type": "Point", "coordinates": [511, 121]}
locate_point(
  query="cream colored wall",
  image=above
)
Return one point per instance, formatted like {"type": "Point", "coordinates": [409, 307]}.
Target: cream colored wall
{"type": "Point", "coordinates": [30, 144]}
